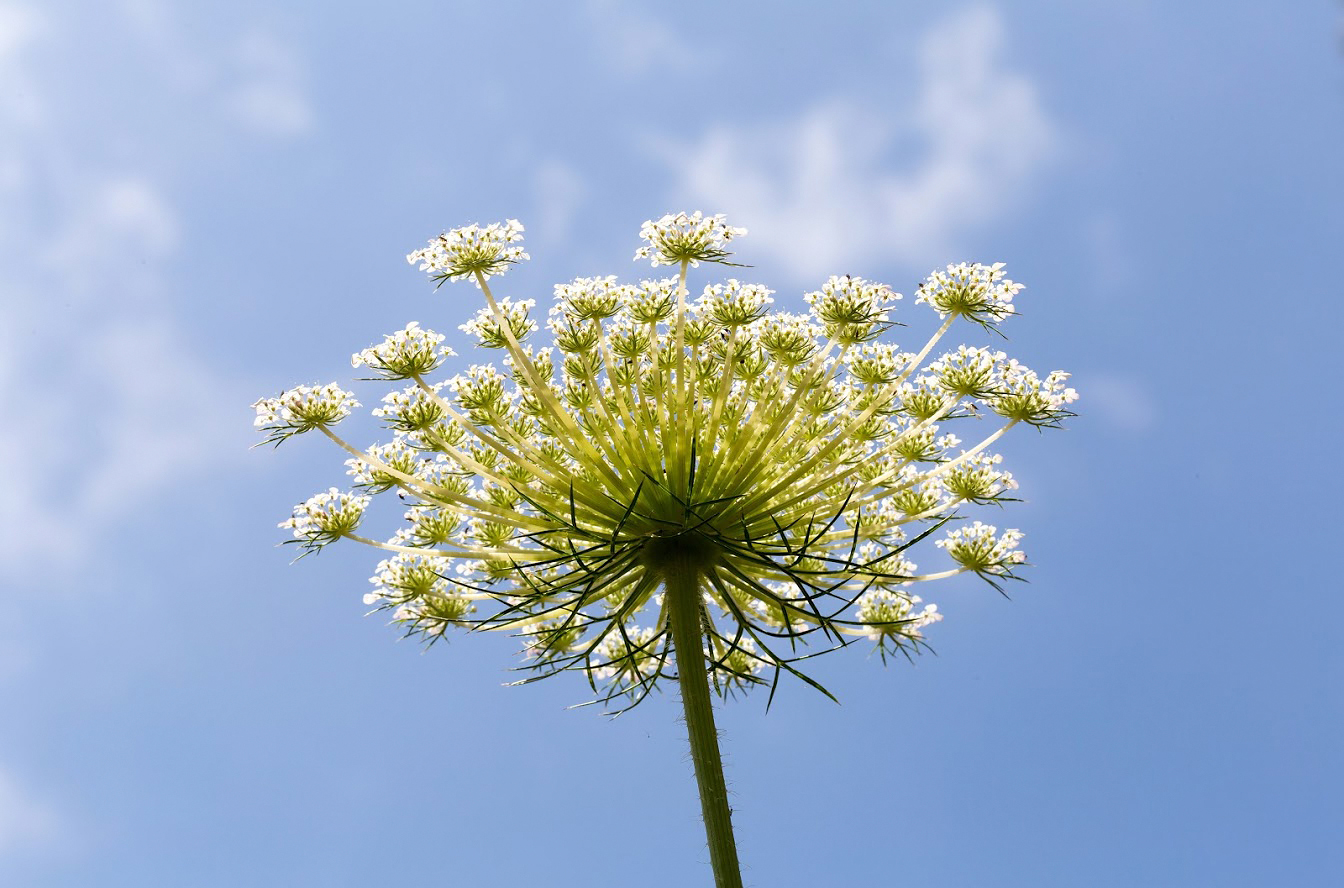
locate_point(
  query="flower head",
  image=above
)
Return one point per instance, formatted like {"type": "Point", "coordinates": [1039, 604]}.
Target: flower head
{"type": "Point", "coordinates": [888, 617]}
{"type": "Point", "coordinates": [851, 309]}
{"type": "Point", "coordinates": [302, 409]}
{"type": "Point", "coordinates": [472, 252]}
{"type": "Point", "coordinates": [979, 293]}
{"type": "Point", "coordinates": [404, 354]}
{"type": "Point", "coordinates": [982, 549]}
{"type": "Point", "coordinates": [790, 463]}
{"type": "Point", "coordinates": [326, 517]}
{"type": "Point", "coordinates": [693, 239]}
{"type": "Point", "coordinates": [1023, 396]}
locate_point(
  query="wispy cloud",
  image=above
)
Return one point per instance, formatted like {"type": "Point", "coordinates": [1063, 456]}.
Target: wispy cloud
{"type": "Point", "coordinates": [829, 189]}
{"type": "Point", "coordinates": [1122, 402]}
{"type": "Point", "coordinates": [635, 43]}
{"type": "Point", "coordinates": [19, 24]}
{"type": "Point", "coordinates": [105, 401]}
{"type": "Point", "coordinates": [558, 191]}
{"type": "Point", "coordinates": [121, 222]}
{"type": "Point", "coordinates": [20, 109]}
{"type": "Point", "coordinates": [270, 96]}
{"type": "Point", "coordinates": [256, 81]}
{"type": "Point", "coordinates": [25, 823]}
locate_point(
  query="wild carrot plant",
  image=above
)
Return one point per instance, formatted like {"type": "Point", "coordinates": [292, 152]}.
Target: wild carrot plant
{"type": "Point", "coordinates": [677, 487]}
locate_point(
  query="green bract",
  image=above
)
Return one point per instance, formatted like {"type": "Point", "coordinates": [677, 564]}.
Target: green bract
{"type": "Point", "coordinates": [791, 463]}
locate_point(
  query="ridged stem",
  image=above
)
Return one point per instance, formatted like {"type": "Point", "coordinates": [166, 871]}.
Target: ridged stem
{"type": "Point", "coordinates": [681, 577]}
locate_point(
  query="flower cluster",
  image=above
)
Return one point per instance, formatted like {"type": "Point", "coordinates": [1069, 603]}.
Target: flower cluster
{"type": "Point", "coordinates": [472, 252]}
{"type": "Point", "coordinates": [790, 465]}
{"type": "Point", "coordinates": [889, 618]}
{"type": "Point", "coordinates": [978, 548]}
{"type": "Point", "coordinates": [979, 293]}
{"type": "Point", "coordinates": [411, 583]}
{"type": "Point", "coordinates": [404, 354]}
{"type": "Point", "coordinates": [673, 240]}
{"type": "Point", "coordinates": [302, 409]}
{"type": "Point", "coordinates": [325, 518]}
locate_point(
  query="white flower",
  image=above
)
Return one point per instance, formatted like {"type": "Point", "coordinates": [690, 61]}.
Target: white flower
{"type": "Point", "coordinates": [326, 517]}
{"type": "Point", "coordinates": [492, 333]}
{"type": "Point", "coordinates": [978, 479]}
{"type": "Point", "coordinates": [302, 409]}
{"type": "Point", "coordinates": [735, 304]}
{"type": "Point", "coordinates": [969, 372]}
{"type": "Point", "coordinates": [472, 251]}
{"type": "Point", "coordinates": [412, 409]}
{"type": "Point", "coordinates": [371, 473]}
{"type": "Point", "coordinates": [587, 299]}
{"type": "Point", "coordinates": [888, 616]}
{"type": "Point", "coordinates": [976, 292]}
{"type": "Point", "coordinates": [406, 577]}
{"type": "Point", "coordinates": [1023, 396]}
{"type": "Point", "coordinates": [880, 364]}
{"type": "Point", "coordinates": [404, 354]}
{"type": "Point", "coordinates": [851, 309]}
{"type": "Point", "coordinates": [978, 548]}
{"type": "Point", "coordinates": [672, 240]}
{"type": "Point", "coordinates": [628, 653]}
{"type": "Point", "coordinates": [794, 459]}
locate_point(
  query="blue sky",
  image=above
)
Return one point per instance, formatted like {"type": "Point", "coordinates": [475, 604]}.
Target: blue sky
{"type": "Point", "coordinates": [201, 204]}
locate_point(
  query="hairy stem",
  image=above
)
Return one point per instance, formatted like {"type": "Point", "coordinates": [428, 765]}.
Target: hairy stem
{"type": "Point", "coordinates": [681, 576]}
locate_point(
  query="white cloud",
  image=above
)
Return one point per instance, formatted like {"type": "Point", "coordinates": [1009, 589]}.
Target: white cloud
{"type": "Point", "coordinates": [96, 423]}
{"type": "Point", "coordinates": [116, 221]}
{"type": "Point", "coordinates": [823, 191]}
{"type": "Point", "coordinates": [257, 81]}
{"type": "Point", "coordinates": [270, 97]}
{"type": "Point", "coordinates": [104, 401]}
{"type": "Point", "coordinates": [559, 190]}
{"type": "Point", "coordinates": [1121, 402]}
{"type": "Point", "coordinates": [20, 108]}
{"type": "Point", "coordinates": [166, 421]}
{"type": "Point", "coordinates": [637, 44]}
{"type": "Point", "coordinates": [24, 822]}
{"type": "Point", "coordinates": [19, 25]}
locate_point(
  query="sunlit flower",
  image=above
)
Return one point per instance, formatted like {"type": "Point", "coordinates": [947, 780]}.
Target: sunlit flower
{"type": "Point", "coordinates": [325, 518]}
{"type": "Point", "coordinates": [889, 618]}
{"type": "Point", "coordinates": [472, 252]}
{"type": "Point", "coordinates": [405, 354]}
{"type": "Point", "coordinates": [786, 466]}
{"type": "Point", "coordinates": [692, 239]}
{"type": "Point", "coordinates": [976, 292]}
{"type": "Point", "coordinates": [302, 409]}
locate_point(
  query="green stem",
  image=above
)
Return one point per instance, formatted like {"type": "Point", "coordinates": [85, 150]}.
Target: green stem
{"type": "Point", "coordinates": [682, 580]}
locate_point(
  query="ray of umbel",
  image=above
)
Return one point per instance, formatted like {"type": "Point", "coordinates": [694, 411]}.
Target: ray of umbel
{"type": "Point", "coordinates": [682, 488]}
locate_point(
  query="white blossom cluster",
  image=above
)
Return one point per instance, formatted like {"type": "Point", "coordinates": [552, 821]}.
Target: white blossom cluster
{"type": "Point", "coordinates": [796, 460]}
{"type": "Point", "coordinates": [692, 239]}
{"type": "Point", "coordinates": [978, 293]}
{"type": "Point", "coordinates": [889, 617]}
{"type": "Point", "coordinates": [326, 517]}
{"type": "Point", "coordinates": [423, 599]}
{"type": "Point", "coordinates": [405, 354]}
{"type": "Point", "coordinates": [398, 456]}
{"type": "Point", "coordinates": [302, 409]}
{"type": "Point", "coordinates": [981, 548]}
{"type": "Point", "coordinates": [472, 252]}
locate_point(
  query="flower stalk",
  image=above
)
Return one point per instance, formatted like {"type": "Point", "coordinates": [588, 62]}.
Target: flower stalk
{"type": "Point", "coordinates": [681, 569]}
